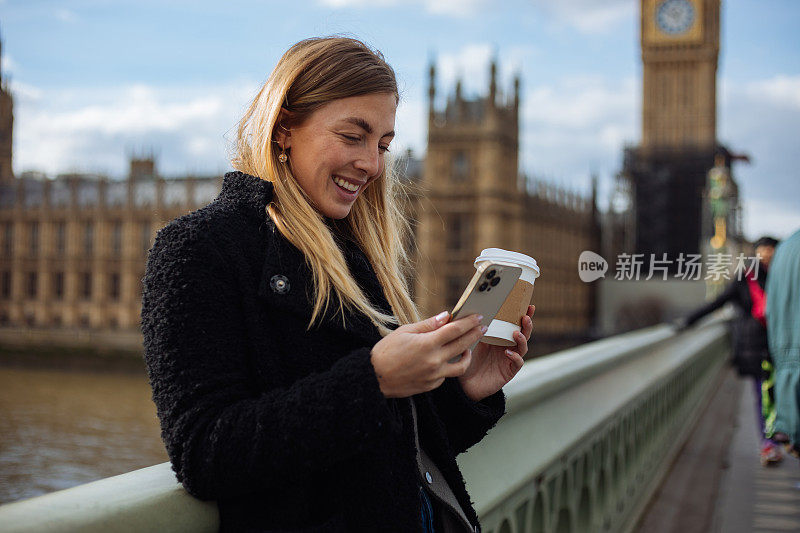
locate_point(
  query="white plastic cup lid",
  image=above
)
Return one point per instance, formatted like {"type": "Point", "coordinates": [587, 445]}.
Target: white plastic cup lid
{"type": "Point", "coordinates": [530, 270]}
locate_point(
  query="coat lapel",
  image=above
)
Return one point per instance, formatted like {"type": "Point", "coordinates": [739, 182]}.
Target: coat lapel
{"type": "Point", "coordinates": [286, 281]}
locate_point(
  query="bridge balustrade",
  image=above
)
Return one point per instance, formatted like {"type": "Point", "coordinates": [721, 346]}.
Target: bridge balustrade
{"type": "Point", "coordinates": [589, 434]}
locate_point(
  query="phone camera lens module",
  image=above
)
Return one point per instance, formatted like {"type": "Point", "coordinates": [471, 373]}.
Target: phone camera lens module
{"type": "Point", "coordinates": [483, 286]}
{"type": "Point", "coordinates": [491, 273]}
{"type": "Point", "coordinates": [495, 281]}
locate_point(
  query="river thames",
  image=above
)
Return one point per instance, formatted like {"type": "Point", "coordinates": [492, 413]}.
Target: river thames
{"type": "Point", "coordinates": [61, 428]}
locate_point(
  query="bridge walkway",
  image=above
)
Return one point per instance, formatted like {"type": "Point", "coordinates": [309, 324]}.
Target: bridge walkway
{"type": "Point", "coordinates": [717, 484]}
{"type": "Point", "coordinates": [753, 498]}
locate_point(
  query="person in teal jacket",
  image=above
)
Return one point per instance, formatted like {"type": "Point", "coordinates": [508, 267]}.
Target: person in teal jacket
{"type": "Point", "coordinates": [783, 331]}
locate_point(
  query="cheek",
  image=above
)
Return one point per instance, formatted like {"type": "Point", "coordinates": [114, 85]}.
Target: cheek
{"type": "Point", "coordinates": [333, 156]}
{"type": "Point", "coordinates": [309, 167]}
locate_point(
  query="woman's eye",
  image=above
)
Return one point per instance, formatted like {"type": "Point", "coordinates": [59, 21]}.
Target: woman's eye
{"type": "Point", "coordinates": [351, 138]}
{"type": "Point", "coordinates": [383, 147]}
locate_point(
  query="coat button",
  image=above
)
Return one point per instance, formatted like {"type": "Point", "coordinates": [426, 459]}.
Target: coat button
{"type": "Point", "coordinates": [428, 477]}
{"type": "Point", "coordinates": [279, 284]}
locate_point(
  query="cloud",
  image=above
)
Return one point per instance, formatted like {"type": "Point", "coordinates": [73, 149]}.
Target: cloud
{"type": "Point", "coordinates": [458, 8]}
{"type": "Point", "coordinates": [65, 15]}
{"type": "Point", "coordinates": [22, 92]}
{"type": "Point", "coordinates": [765, 217]}
{"type": "Point", "coordinates": [339, 4]}
{"type": "Point", "coordinates": [93, 129]}
{"type": "Point", "coordinates": [139, 109]}
{"type": "Point", "coordinates": [589, 16]}
{"type": "Point", "coordinates": [7, 64]}
{"type": "Point", "coordinates": [470, 64]}
{"type": "Point", "coordinates": [453, 8]}
{"type": "Point", "coordinates": [189, 128]}
{"type": "Point", "coordinates": [569, 127]}
{"type": "Point", "coordinates": [573, 127]}
{"type": "Point", "coordinates": [782, 90]}
{"type": "Point", "coordinates": [760, 118]}
{"type": "Point", "coordinates": [411, 125]}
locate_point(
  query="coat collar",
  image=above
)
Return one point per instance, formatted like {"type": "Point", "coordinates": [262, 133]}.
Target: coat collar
{"type": "Point", "coordinates": [249, 192]}
{"type": "Point", "coordinates": [285, 277]}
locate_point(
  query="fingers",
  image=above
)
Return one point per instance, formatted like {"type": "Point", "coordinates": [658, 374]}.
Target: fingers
{"type": "Point", "coordinates": [522, 337]}
{"type": "Point", "coordinates": [522, 343]}
{"type": "Point", "coordinates": [429, 324]}
{"type": "Point", "coordinates": [516, 360]}
{"type": "Point", "coordinates": [454, 330]}
{"type": "Point", "coordinates": [462, 343]}
{"type": "Point", "coordinates": [527, 322]}
{"type": "Point", "coordinates": [452, 370]}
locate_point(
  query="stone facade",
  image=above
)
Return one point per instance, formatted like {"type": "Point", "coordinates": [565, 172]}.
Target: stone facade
{"type": "Point", "coordinates": [73, 249]}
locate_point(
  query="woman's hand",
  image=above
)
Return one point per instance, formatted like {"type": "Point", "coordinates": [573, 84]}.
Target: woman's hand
{"type": "Point", "coordinates": [414, 357]}
{"type": "Point", "coordinates": [494, 366]}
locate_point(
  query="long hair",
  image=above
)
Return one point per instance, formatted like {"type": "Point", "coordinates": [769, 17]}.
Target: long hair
{"type": "Point", "coordinates": [311, 74]}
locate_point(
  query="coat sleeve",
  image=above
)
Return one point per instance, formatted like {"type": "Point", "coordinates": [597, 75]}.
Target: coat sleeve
{"type": "Point", "coordinates": [465, 420]}
{"type": "Point", "coordinates": [224, 436]}
{"type": "Point", "coordinates": [730, 294]}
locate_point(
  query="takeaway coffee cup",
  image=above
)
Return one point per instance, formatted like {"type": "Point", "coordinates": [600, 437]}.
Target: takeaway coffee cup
{"type": "Point", "coordinates": [509, 318]}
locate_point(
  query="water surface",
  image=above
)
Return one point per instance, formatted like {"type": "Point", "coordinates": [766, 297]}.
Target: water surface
{"type": "Point", "coordinates": [61, 428]}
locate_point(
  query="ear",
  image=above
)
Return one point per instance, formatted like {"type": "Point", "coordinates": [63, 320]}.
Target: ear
{"type": "Point", "coordinates": [283, 135]}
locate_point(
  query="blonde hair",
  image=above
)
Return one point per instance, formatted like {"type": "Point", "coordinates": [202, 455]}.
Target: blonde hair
{"type": "Point", "coordinates": [311, 74]}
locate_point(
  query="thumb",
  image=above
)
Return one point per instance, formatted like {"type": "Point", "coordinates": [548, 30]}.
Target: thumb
{"type": "Point", "coordinates": [430, 324]}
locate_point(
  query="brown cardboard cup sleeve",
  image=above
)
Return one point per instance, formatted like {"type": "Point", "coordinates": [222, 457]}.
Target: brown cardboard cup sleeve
{"type": "Point", "coordinates": [509, 318]}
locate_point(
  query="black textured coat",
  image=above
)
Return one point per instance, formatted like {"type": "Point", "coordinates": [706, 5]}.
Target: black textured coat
{"type": "Point", "coordinates": [749, 336]}
{"type": "Point", "coordinates": [286, 428]}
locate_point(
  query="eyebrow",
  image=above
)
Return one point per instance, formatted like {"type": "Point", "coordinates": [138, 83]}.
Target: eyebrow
{"type": "Point", "coordinates": [363, 124]}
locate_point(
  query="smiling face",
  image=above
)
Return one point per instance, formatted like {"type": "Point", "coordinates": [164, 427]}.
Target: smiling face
{"type": "Point", "coordinates": [340, 148]}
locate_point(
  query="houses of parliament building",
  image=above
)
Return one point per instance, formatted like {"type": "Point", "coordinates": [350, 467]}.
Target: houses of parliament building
{"type": "Point", "coordinates": [73, 248]}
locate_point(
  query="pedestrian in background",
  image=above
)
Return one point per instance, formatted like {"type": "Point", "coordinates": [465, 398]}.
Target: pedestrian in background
{"type": "Point", "coordinates": [783, 325]}
{"type": "Point", "coordinates": [751, 355]}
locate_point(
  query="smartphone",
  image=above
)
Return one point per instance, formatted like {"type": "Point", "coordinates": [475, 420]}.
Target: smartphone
{"type": "Point", "coordinates": [486, 292]}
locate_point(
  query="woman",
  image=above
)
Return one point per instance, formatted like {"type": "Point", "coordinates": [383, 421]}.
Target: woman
{"type": "Point", "coordinates": [285, 388]}
{"type": "Point", "coordinates": [750, 349]}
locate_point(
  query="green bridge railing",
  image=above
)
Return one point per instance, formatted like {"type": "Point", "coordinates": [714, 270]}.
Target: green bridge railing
{"type": "Point", "coordinates": [589, 434]}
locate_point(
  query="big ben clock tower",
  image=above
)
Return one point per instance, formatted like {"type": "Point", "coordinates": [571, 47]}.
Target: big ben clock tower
{"type": "Point", "coordinates": [680, 46]}
{"type": "Point", "coordinates": [667, 172]}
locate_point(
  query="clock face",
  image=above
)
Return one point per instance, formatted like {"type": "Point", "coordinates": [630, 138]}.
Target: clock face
{"type": "Point", "coordinates": [675, 16]}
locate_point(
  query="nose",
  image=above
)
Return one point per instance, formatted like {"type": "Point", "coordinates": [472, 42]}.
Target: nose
{"type": "Point", "coordinates": [370, 161]}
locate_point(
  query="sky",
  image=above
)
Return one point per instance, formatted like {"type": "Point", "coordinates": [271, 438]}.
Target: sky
{"type": "Point", "coordinates": [96, 80]}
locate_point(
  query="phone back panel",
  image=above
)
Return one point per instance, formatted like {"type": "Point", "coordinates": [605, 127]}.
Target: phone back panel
{"type": "Point", "coordinates": [485, 295]}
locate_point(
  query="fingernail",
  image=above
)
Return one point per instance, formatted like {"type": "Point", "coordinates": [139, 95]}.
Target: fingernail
{"type": "Point", "coordinates": [442, 316]}
{"type": "Point", "coordinates": [480, 318]}
{"type": "Point", "coordinates": [484, 329]}
{"type": "Point", "coordinates": [509, 353]}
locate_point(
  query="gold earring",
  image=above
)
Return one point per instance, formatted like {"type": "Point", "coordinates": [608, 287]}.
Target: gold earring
{"type": "Point", "coordinates": [282, 157]}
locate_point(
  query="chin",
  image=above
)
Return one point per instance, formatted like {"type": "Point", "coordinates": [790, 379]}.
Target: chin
{"type": "Point", "coordinates": [337, 213]}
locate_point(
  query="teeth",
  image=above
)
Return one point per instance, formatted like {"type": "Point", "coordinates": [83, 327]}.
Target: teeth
{"type": "Point", "coordinates": [345, 184]}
